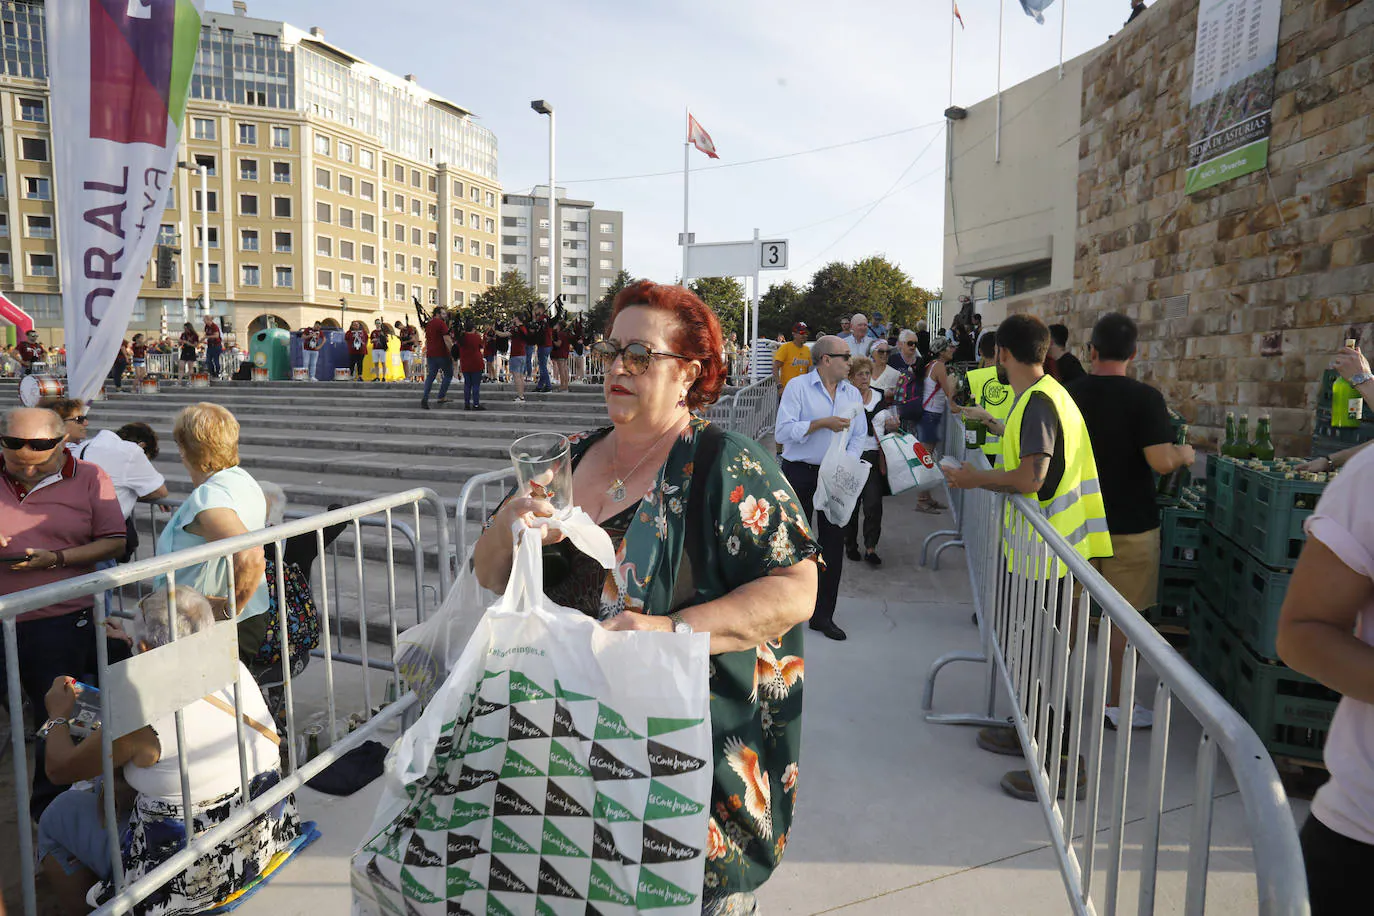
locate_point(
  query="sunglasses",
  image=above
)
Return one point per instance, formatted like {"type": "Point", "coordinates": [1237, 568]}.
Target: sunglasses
{"type": "Point", "coordinates": [634, 356]}
{"type": "Point", "coordinates": [843, 356]}
{"type": "Point", "coordinates": [81, 420]}
{"type": "Point", "coordinates": [15, 443]}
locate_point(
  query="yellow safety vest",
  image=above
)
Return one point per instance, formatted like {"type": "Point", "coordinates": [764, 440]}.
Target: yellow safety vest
{"type": "Point", "coordinates": [994, 397]}
{"type": "Point", "coordinates": [1076, 510]}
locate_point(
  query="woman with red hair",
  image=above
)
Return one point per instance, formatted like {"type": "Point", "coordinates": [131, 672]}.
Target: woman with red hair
{"type": "Point", "coordinates": [709, 537]}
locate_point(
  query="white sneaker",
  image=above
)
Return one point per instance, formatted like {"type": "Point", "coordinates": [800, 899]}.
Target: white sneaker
{"type": "Point", "coordinates": [520, 400]}
{"type": "Point", "coordinates": [1140, 717]}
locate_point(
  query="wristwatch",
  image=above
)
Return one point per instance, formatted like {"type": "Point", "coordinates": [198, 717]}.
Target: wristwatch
{"type": "Point", "coordinates": [1360, 379]}
{"type": "Point", "coordinates": [50, 725]}
{"type": "Point", "coordinates": [680, 625]}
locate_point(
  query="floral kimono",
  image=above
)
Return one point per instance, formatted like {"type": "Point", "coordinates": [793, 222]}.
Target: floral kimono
{"type": "Point", "coordinates": [754, 524]}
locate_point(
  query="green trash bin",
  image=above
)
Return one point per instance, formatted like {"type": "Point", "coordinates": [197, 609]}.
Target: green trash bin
{"type": "Point", "coordinates": [270, 349]}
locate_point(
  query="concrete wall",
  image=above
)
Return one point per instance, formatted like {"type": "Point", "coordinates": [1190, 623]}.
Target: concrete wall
{"type": "Point", "coordinates": [998, 214]}
{"type": "Point", "coordinates": [1277, 268]}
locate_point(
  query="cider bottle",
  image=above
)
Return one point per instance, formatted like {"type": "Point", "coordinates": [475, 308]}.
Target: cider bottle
{"type": "Point", "coordinates": [1263, 446]}
{"type": "Point", "coordinates": [1228, 445]}
{"type": "Point", "coordinates": [1347, 406]}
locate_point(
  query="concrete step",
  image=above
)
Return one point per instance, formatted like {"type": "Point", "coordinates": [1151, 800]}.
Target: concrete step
{"type": "Point", "coordinates": [388, 469]}
{"type": "Point", "coordinates": [451, 414]}
{"type": "Point", "coordinates": [396, 390]}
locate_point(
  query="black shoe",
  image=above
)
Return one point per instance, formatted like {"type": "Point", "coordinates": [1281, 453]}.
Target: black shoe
{"type": "Point", "coordinates": [467, 407]}
{"type": "Point", "coordinates": [478, 407]}
{"type": "Point", "coordinates": [424, 405]}
{"type": "Point", "coordinates": [872, 559]}
{"type": "Point", "coordinates": [852, 551]}
{"type": "Point", "coordinates": [829, 629]}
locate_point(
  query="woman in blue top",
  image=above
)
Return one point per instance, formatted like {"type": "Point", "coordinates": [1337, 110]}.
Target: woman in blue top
{"type": "Point", "coordinates": [226, 502]}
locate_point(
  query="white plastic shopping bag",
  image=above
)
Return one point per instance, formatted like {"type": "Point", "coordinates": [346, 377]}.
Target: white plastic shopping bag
{"type": "Point", "coordinates": [909, 464]}
{"type": "Point", "coordinates": [428, 651]}
{"type": "Point", "coordinates": [841, 479]}
{"type": "Point", "coordinates": [561, 768]}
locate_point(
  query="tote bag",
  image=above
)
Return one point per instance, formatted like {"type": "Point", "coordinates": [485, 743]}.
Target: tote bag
{"type": "Point", "coordinates": [909, 464]}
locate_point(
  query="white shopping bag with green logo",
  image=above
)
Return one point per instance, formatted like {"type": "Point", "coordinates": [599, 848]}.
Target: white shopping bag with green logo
{"type": "Point", "coordinates": [560, 769]}
{"type": "Point", "coordinates": [909, 464]}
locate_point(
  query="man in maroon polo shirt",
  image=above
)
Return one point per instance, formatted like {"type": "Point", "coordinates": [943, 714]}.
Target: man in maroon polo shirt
{"type": "Point", "coordinates": [58, 517]}
{"type": "Point", "coordinates": [438, 355]}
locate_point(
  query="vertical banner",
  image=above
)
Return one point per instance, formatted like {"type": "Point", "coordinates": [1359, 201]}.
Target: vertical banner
{"type": "Point", "coordinates": [1233, 90]}
{"type": "Point", "coordinates": [119, 77]}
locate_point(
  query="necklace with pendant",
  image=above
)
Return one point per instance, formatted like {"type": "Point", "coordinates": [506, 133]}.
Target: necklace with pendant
{"type": "Point", "coordinates": [616, 491]}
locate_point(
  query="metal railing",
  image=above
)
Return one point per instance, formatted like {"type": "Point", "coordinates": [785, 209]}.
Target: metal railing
{"type": "Point", "coordinates": [489, 488]}
{"type": "Point", "coordinates": [1034, 638]}
{"type": "Point", "coordinates": [95, 585]}
{"type": "Point", "coordinates": [752, 410]}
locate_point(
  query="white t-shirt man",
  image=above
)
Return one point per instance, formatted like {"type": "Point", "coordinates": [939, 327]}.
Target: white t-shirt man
{"type": "Point", "coordinates": [132, 474]}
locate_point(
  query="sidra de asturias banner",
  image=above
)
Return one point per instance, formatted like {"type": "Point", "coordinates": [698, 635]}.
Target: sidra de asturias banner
{"type": "Point", "coordinates": [119, 77]}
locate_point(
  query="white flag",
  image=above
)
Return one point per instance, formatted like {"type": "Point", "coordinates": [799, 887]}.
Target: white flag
{"type": "Point", "coordinates": [119, 76]}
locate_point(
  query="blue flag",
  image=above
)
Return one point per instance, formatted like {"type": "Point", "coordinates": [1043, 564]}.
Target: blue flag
{"type": "Point", "coordinates": [1036, 9]}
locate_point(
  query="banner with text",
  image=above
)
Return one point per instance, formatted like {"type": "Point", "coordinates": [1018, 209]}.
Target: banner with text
{"type": "Point", "coordinates": [120, 75]}
{"type": "Point", "coordinates": [1233, 90]}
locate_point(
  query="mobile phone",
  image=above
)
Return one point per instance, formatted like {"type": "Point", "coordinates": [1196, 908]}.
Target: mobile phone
{"type": "Point", "coordinates": [85, 717]}
{"type": "Point", "coordinates": [16, 558]}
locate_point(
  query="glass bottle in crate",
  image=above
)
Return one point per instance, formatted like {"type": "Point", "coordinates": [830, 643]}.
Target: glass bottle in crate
{"type": "Point", "coordinates": [1171, 484]}
{"type": "Point", "coordinates": [1263, 446]}
{"type": "Point", "coordinates": [1347, 406]}
{"type": "Point", "coordinates": [1228, 445]}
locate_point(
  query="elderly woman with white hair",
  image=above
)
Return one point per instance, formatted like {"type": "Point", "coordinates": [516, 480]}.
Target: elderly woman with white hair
{"type": "Point", "coordinates": [73, 847]}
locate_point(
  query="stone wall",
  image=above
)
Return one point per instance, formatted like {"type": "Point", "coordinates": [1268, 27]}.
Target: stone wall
{"type": "Point", "coordinates": [1278, 263]}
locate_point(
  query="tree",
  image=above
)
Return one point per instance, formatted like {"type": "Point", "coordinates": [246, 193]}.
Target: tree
{"type": "Point", "coordinates": [725, 297]}
{"type": "Point", "coordinates": [873, 286]}
{"type": "Point", "coordinates": [510, 298]}
{"type": "Point", "coordinates": [599, 315]}
{"type": "Point", "coordinates": [779, 309]}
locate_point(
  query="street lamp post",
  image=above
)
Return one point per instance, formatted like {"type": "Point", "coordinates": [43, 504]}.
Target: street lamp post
{"type": "Point", "coordinates": [204, 231]}
{"type": "Point", "coordinates": [343, 314]}
{"type": "Point", "coordinates": [555, 263]}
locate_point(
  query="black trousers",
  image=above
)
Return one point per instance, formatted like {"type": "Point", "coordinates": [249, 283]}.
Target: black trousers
{"type": "Point", "coordinates": [802, 476]}
{"type": "Point", "coordinates": [355, 364]}
{"type": "Point", "coordinates": [1337, 870]}
{"type": "Point", "coordinates": [871, 504]}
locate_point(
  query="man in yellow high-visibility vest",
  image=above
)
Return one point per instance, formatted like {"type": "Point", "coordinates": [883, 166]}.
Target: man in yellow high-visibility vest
{"type": "Point", "coordinates": [990, 392]}
{"type": "Point", "coordinates": [1047, 456]}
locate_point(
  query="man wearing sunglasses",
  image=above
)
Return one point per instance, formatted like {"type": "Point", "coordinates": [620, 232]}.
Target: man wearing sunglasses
{"type": "Point", "coordinates": [59, 517]}
{"type": "Point", "coordinates": [31, 354]}
{"type": "Point", "coordinates": [813, 409]}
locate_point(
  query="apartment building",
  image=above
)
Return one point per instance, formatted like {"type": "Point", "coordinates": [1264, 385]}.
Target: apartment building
{"type": "Point", "coordinates": [590, 243]}
{"type": "Point", "coordinates": [335, 190]}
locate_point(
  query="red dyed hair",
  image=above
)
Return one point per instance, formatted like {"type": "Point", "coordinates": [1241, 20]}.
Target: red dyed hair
{"type": "Point", "coordinates": [698, 332]}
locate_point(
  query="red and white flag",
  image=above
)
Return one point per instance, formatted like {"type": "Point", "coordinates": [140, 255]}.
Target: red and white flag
{"type": "Point", "coordinates": [698, 137]}
{"type": "Point", "coordinates": [957, 16]}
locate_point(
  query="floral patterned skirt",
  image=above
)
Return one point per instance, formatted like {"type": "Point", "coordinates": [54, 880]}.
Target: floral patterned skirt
{"type": "Point", "coordinates": [157, 831]}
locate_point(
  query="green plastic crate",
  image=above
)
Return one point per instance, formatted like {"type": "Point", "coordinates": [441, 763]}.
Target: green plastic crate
{"type": "Point", "coordinates": [1289, 711]}
{"type": "Point", "coordinates": [1180, 536]}
{"type": "Point", "coordinates": [1220, 487]}
{"type": "Point", "coordinates": [1347, 436]}
{"type": "Point", "coordinates": [1259, 600]}
{"type": "Point", "coordinates": [1275, 510]}
{"type": "Point", "coordinates": [1204, 633]}
{"type": "Point", "coordinates": [1174, 598]}
{"type": "Point", "coordinates": [1214, 566]}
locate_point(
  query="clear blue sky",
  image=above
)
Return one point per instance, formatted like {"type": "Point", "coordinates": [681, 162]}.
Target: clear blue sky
{"type": "Point", "coordinates": [764, 77]}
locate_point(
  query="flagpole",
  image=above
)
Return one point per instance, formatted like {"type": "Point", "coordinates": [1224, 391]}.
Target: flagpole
{"type": "Point", "coordinates": [686, 162]}
{"type": "Point", "coordinates": [951, 52]}
{"type": "Point", "coordinates": [997, 143]}
{"type": "Point", "coordinates": [1063, 18]}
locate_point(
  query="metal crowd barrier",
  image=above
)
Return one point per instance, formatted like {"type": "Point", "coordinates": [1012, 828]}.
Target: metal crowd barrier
{"type": "Point", "coordinates": [954, 447]}
{"type": "Point", "coordinates": [1034, 637]}
{"type": "Point", "coordinates": [488, 488]}
{"type": "Point", "coordinates": [96, 584]}
{"type": "Point", "coordinates": [752, 410]}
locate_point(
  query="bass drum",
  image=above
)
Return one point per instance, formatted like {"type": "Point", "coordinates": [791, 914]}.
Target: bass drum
{"type": "Point", "coordinates": [34, 388]}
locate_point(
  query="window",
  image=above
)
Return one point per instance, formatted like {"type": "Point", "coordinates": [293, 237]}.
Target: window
{"type": "Point", "coordinates": [248, 170]}
{"type": "Point", "coordinates": [475, 193]}
{"type": "Point", "coordinates": [324, 279]}
{"type": "Point", "coordinates": [433, 184]}
{"type": "Point", "coordinates": [400, 233]}
{"type": "Point", "coordinates": [457, 189]}
{"type": "Point", "coordinates": [543, 279]}
{"type": "Point", "coordinates": [415, 207]}
{"type": "Point", "coordinates": [433, 296]}
{"type": "Point", "coordinates": [458, 215]}
{"type": "Point", "coordinates": [322, 178]}
{"type": "Point", "coordinates": [250, 275]}
{"type": "Point", "coordinates": [38, 227]}
{"type": "Point", "coordinates": [345, 283]}
{"type": "Point", "coordinates": [1031, 277]}
{"type": "Point", "coordinates": [214, 237]}
{"type": "Point", "coordinates": [283, 276]}
{"type": "Point", "coordinates": [324, 246]}
{"type": "Point", "coordinates": [43, 265]}
{"type": "Point", "coordinates": [400, 292]}
{"type": "Point", "coordinates": [368, 254]}
{"type": "Point", "coordinates": [458, 243]}
{"type": "Point", "coordinates": [568, 281]}
{"type": "Point", "coordinates": [434, 268]}
{"type": "Point", "coordinates": [4, 191]}
{"type": "Point", "coordinates": [415, 236]}
{"type": "Point", "coordinates": [346, 217]}
{"type": "Point", "coordinates": [458, 297]}
{"type": "Point", "coordinates": [322, 148]}
{"type": "Point", "coordinates": [544, 223]}
{"type": "Point", "coordinates": [474, 221]}
{"type": "Point", "coordinates": [248, 204]}
{"type": "Point", "coordinates": [212, 200]}
{"type": "Point", "coordinates": [415, 178]}
{"type": "Point", "coordinates": [248, 136]}
{"type": "Point", "coordinates": [281, 244]}
{"type": "Point", "coordinates": [5, 268]}
{"type": "Point", "coordinates": [607, 246]}
{"type": "Point", "coordinates": [367, 222]}
{"type": "Point", "coordinates": [166, 234]}
{"type": "Point", "coordinates": [491, 200]}
{"type": "Point", "coordinates": [491, 252]}
{"type": "Point", "coordinates": [457, 271]}
{"type": "Point", "coordinates": [281, 207]}
{"type": "Point", "coordinates": [543, 260]}
{"type": "Point", "coordinates": [386, 201]}
{"type": "Point", "coordinates": [35, 110]}
{"type": "Point", "coordinates": [434, 213]}
{"type": "Point", "coordinates": [206, 162]}
{"type": "Point", "coordinates": [606, 228]}
{"type": "Point", "coordinates": [248, 239]}
{"type": "Point", "coordinates": [604, 282]}
{"type": "Point", "coordinates": [346, 184]}
{"type": "Point", "coordinates": [200, 272]}
{"type": "Point", "coordinates": [366, 159]}
{"type": "Point", "coordinates": [345, 249]}
{"type": "Point", "coordinates": [400, 202]}
{"type": "Point", "coordinates": [605, 264]}
{"type": "Point", "coordinates": [489, 225]}
{"type": "Point", "coordinates": [434, 240]}
{"type": "Point", "coordinates": [475, 247]}
{"type": "Point", "coordinates": [203, 128]}
{"type": "Point", "coordinates": [5, 227]}
{"type": "Point", "coordinates": [415, 265]}
{"type": "Point", "coordinates": [369, 286]}
{"type": "Point", "coordinates": [509, 240]}
{"type": "Point", "coordinates": [281, 171]}
{"type": "Point", "coordinates": [400, 262]}
{"type": "Point", "coordinates": [491, 278]}
{"type": "Point", "coordinates": [367, 190]}
{"type": "Point", "coordinates": [34, 149]}
{"type": "Point", "coordinates": [345, 151]}
{"type": "Point", "coordinates": [323, 212]}
{"type": "Point", "coordinates": [281, 139]}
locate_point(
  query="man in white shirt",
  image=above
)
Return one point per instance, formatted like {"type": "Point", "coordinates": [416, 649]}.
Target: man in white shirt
{"type": "Point", "coordinates": [816, 407]}
{"type": "Point", "coordinates": [859, 338]}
